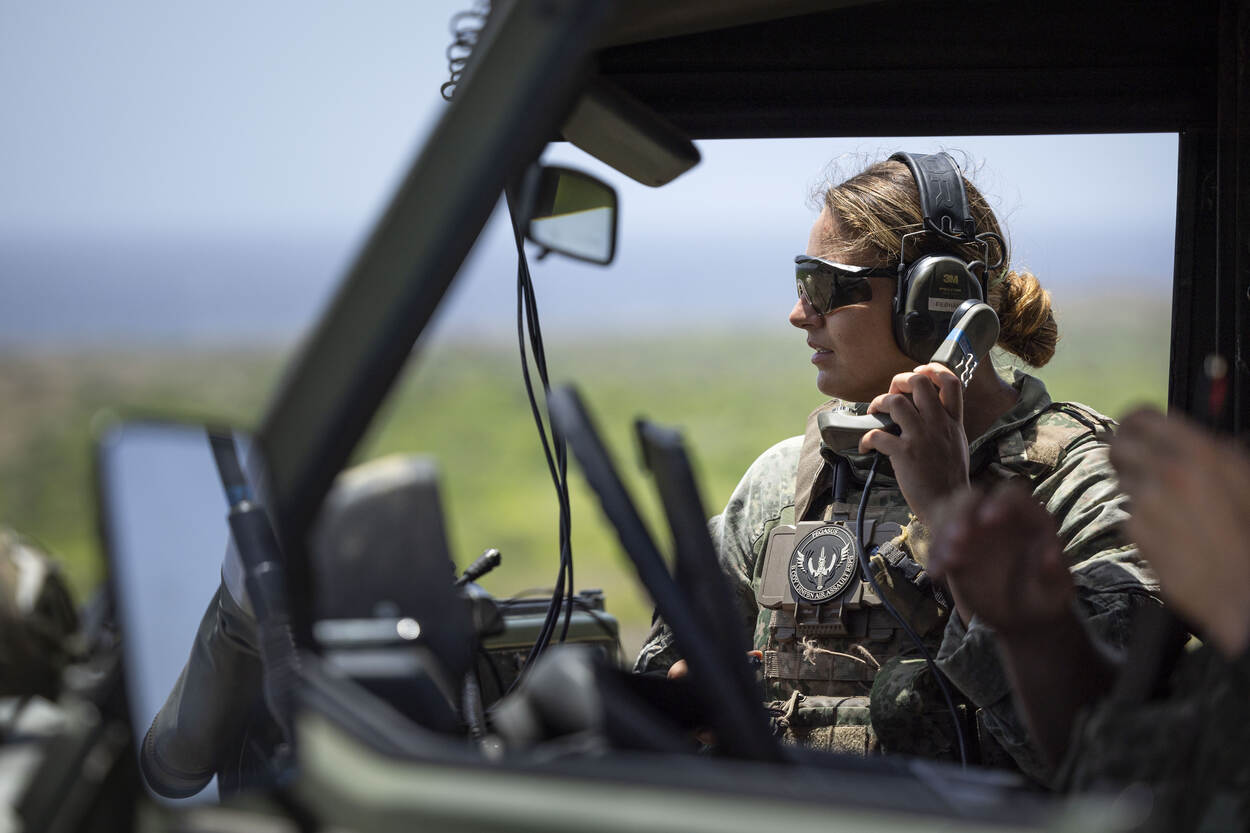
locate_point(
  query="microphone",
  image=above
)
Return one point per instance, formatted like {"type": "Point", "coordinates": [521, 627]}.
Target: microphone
{"type": "Point", "coordinates": [974, 329]}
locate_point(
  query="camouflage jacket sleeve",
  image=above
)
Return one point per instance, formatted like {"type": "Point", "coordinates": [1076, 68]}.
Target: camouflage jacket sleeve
{"type": "Point", "coordinates": [1189, 746]}
{"type": "Point", "coordinates": [1082, 494]}
{"type": "Point", "coordinates": [765, 492]}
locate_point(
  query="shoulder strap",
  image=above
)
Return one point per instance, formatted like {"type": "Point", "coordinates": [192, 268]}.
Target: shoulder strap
{"type": "Point", "coordinates": [813, 472]}
{"type": "Point", "coordinates": [1099, 425]}
{"type": "Point", "coordinates": [1046, 447]}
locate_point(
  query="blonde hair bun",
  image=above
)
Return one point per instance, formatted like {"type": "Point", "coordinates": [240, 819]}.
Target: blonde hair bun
{"type": "Point", "coordinates": [1027, 321]}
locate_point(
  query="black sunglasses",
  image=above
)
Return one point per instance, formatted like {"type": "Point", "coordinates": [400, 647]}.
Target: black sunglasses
{"type": "Point", "coordinates": [827, 285]}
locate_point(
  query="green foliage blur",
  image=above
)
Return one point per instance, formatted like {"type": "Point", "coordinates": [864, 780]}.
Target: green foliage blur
{"type": "Point", "coordinates": [733, 393]}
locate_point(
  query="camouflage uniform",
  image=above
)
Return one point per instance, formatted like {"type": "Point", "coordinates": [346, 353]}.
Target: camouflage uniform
{"type": "Point", "coordinates": [1190, 747]}
{"type": "Point", "coordinates": [867, 689]}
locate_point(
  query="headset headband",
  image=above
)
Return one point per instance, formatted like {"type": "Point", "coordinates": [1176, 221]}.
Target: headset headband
{"type": "Point", "coordinates": [943, 202]}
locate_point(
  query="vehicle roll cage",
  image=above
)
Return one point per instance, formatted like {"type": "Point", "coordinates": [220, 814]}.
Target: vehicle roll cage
{"type": "Point", "coordinates": [801, 68]}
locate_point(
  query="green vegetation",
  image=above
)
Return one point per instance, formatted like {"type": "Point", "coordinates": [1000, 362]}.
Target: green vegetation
{"type": "Point", "coordinates": [50, 399]}
{"type": "Point", "coordinates": [733, 393]}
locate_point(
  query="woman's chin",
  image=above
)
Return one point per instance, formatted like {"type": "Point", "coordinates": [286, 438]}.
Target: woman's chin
{"type": "Point", "coordinates": [833, 386]}
{"type": "Point", "coordinates": [827, 383]}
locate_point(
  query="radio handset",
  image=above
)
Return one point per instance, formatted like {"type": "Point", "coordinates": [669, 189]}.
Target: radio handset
{"type": "Point", "coordinates": [974, 329]}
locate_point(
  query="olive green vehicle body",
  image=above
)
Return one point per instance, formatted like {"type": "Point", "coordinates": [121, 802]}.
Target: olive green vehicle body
{"type": "Point", "coordinates": [708, 69]}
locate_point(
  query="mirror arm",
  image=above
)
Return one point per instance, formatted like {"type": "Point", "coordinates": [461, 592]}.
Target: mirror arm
{"type": "Point", "coordinates": [265, 580]}
{"type": "Point", "coordinates": [522, 194]}
{"type": "Point", "coordinates": [266, 587]}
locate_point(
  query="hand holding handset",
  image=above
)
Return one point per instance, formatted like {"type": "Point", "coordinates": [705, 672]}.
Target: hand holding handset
{"type": "Point", "coordinates": [974, 329]}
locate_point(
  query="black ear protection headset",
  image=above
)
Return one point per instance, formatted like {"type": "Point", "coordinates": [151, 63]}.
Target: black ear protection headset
{"type": "Point", "coordinates": [932, 286]}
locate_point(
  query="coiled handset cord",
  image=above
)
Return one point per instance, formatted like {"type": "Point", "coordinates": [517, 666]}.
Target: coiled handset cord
{"type": "Point", "coordinates": [866, 568]}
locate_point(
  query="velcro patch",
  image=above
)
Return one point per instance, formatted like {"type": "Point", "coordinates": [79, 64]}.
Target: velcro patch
{"type": "Point", "coordinates": [1046, 453]}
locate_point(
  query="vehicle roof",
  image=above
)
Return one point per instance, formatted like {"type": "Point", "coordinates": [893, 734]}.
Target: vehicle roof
{"type": "Point", "coordinates": [891, 67]}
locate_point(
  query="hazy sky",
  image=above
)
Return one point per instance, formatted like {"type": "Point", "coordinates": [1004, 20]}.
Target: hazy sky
{"type": "Point", "coordinates": [170, 116]}
{"type": "Point", "coordinates": [160, 157]}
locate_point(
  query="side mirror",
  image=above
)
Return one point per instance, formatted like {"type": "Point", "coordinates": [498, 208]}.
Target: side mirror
{"type": "Point", "coordinates": [182, 514]}
{"type": "Point", "coordinates": [572, 213]}
{"type": "Point", "coordinates": [163, 512]}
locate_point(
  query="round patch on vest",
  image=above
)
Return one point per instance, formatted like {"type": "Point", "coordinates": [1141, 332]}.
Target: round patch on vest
{"type": "Point", "coordinates": [822, 564]}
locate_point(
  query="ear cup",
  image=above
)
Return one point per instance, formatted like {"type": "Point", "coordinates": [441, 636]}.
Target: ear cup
{"type": "Point", "coordinates": [932, 289]}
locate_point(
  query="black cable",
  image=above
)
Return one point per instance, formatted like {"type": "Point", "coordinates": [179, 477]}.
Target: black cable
{"type": "Point", "coordinates": [562, 486]}
{"type": "Point", "coordinates": [866, 567]}
{"type": "Point", "coordinates": [544, 635]}
{"type": "Point", "coordinates": [557, 462]}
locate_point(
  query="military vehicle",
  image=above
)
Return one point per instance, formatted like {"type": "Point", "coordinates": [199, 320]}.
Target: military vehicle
{"type": "Point", "coordinates": [370, 717]}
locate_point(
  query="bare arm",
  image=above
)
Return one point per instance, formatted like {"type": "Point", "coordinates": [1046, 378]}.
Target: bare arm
{"type": "Point", "coordinates": [1001, 557]}
{"type": "Point", "coordinates": [1191, 505]}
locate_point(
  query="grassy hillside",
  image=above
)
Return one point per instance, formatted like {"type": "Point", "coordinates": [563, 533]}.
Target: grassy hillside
{"type": "Point", "coordinates": [733, 394]}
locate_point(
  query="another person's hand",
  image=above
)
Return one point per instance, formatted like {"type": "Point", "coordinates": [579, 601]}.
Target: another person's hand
{"type": "Point", "coordinates": [1002, 560]}
{"type": "Point", "coordinates": [1190, 494]}
{"type": "Point", "coordinates": [930, 454]}
{"type": "Point", "coordinates": [678, 670]}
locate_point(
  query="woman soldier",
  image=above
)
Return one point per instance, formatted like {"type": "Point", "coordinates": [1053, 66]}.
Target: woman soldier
{"type": "Point", "coordinates": [885, 269]}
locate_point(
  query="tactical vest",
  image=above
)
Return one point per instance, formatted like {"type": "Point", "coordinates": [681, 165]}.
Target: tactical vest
{"type": "Point", "coordinates": [839, 671]}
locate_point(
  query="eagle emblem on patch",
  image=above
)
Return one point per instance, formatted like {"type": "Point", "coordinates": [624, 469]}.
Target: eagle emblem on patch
{"type": "Point", "coordinates": [822, 564]}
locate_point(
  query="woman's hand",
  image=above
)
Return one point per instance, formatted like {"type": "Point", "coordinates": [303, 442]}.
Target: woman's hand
{"type": "Point", "coordinates": [1001, 558]}
{"type": "Point", "coordinates": [1190, 496]}
{"type": "Point", "coordinates": [930, 454]}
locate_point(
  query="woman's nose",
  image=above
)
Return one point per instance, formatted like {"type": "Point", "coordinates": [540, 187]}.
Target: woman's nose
{"type": "Point", "coordinates": [804, 315]}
